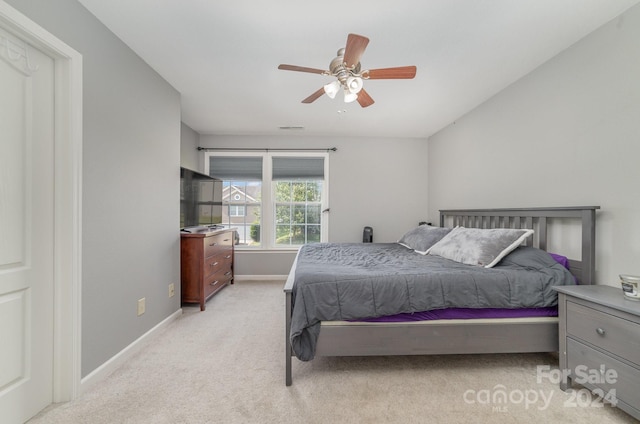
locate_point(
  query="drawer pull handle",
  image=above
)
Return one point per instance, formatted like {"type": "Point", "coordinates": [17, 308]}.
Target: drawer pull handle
{"type": "Point", "coordinates": [214, 264]}
{"type": "Point", "coordinates": [214, 283]}
{"type": "Point", "coordinates": [227, 273]}
{"type": "Point", "coordinates": [600, 331]}
{"type": "Point", "coordinates": [228, 257]}
{"type": "Point", "coordinates": [227, 239]}
{"type": "Point", "coordinates": [213, 244]}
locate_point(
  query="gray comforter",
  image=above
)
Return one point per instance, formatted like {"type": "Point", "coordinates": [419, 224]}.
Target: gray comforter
{"type": "Point", "coordinates": [337, 281]}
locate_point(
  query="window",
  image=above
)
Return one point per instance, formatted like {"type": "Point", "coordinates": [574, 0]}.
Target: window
{"type": "Point", "coordinates": [298, 185]}
{"type": "Point", "coordinates": [276, 200]}
{"type": "Point", "coordinates": [236, 210]}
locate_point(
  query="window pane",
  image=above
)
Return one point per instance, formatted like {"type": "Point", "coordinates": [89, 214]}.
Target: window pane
{"type": "Point", "coordinates": [297, 234]}
{"type": "Point", "coordinates": [298, 203]}
{"type": "Point", "coordinates": [283, 214]}
{"type": "Point", "coordinates": [283, 234]}
{"type": "Point", "coordinates": [314, 191]}
{"type": "Point", "coordinates": [299, 191]}
{"type": "Point", "coordinates": [299, 214]}
{"type": "Point", "coordinates": [283, 191]}
{"type": "Point", "coordinates": [254, 234]}
{"type": "Point", "coordinates": [241, 201]}
{"type": "Point", "coordinates": [313, 214]}
{"type": "Point", "coordinates": [313, 233]}
{"type": "Point", "coordinates": [252, 222]}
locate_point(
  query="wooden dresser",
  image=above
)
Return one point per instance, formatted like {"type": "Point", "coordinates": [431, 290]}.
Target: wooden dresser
{"type": "Point", "coordinates": [206, 262]}
{"type": "Point", "coordinates": [600, 343]}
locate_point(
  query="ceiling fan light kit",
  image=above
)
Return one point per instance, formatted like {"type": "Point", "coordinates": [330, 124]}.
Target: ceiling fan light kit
{"type": "Point", "coordinates": [349, 97]}
{"type": "Point", "coordinates": [332, 89]}
{"type": "Point", "coordinates": [346, 68]}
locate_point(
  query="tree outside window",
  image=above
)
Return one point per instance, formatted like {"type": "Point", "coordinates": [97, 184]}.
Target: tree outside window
{"type": "Point", "coordinates": [298, 212]}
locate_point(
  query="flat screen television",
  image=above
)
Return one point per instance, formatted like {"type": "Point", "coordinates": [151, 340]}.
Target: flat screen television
{"type": "Point", "coordinates": [200, 199]}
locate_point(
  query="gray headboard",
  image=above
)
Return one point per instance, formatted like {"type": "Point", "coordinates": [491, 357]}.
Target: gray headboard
{"type": "Point", "coordinates": [536, 219]}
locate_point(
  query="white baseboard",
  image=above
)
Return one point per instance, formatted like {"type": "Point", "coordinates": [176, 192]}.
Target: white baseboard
{"type": "Point", "coordinates": [104, 370]}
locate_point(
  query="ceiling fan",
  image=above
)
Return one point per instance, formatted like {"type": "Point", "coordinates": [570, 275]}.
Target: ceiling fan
{"type": "Point", "coordinates": [347, 69]}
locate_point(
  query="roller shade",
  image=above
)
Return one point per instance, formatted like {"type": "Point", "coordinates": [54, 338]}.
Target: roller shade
{"type": "Point", "coordinates": [298, 168]}
{"type": "Point", "coordinates": [240, 168]}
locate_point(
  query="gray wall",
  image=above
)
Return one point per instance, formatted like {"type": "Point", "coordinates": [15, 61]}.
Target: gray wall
{"type": "Point", "coordinates": [189, 142]}
{"type": "Point", "coordinates": [566, 134]}
{"type": "Point", "coordinates": [131, 157]}
{"type": "Point", "coordinates": [379, 182]}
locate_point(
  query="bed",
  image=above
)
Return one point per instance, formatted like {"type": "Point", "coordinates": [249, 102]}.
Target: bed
{"type": "Point", "coordinates": [441, 336]}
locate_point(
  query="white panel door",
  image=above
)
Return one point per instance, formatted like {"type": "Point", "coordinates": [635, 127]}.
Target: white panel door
{"type": "Point", "coordinates": [26, 229]}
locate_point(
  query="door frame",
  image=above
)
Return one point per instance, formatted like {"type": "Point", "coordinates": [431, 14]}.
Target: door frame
{"type": "Point", "coordinates": [67, 200]}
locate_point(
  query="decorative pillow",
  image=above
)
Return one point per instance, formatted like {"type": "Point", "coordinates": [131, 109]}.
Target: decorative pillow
{"type": "Point", "coordinates": [481, 247]}
{"type": "Point", "coordinates": [423, 237]}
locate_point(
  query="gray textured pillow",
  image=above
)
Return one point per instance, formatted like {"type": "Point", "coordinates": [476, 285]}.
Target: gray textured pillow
{"type": "Point", "coordinates": [423, 237]}
{"type": "Point", "coordinates": [481, 247]}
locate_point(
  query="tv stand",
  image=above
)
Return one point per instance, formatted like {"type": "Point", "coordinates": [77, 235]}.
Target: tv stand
{"type": "Point", "coordinates": [206, 262]}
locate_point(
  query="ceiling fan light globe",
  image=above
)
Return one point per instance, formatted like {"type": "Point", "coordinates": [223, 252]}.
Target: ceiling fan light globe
{"type": "Point", "coordinates": [354, 84]}
{"type": "Point", "coordinates": [350, 97]}
{"type": "Point", "coordinates": [332, 89]}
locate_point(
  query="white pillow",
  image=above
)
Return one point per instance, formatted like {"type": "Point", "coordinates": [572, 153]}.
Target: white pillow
{"type": "Point", "coordinates": [423, 237]}
{"type": "Point", "coordinates": [480, 247]}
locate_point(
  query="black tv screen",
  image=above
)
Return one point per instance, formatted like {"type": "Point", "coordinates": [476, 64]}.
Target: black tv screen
{"type": "Point", "coordinates": [200, 199]}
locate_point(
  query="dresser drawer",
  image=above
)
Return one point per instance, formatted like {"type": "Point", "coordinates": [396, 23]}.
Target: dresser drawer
{"type": "Point", "coordinates": [216, 263]}
{"type": "Point", "coordinates": [214, 244]}
{"type": "Point", "coordinates": [216, 281]}
{"type": "Point", "coordinates": [616, 335]}
{"type": "Point", "coordinates": [626, 381]}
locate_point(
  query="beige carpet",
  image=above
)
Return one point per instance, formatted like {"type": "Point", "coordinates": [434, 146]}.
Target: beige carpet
{"type": "Point", "coordinates": [226, 365]}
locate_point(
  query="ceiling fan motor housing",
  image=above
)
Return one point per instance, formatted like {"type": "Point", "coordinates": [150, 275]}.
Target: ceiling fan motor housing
{"type": "Point", "coordinates": [338, 68]}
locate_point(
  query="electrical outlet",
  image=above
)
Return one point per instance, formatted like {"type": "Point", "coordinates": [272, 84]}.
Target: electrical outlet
{"type": "Point", "coordinates": [141, 306]}
{"type": "Point", "coordinates": [172, 289]}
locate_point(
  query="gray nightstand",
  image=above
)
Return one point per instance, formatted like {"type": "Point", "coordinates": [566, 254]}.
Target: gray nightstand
{"type": "Point", "coordinates": [600, 342]}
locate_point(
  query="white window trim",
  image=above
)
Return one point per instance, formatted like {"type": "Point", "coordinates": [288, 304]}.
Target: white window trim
{"type": "Point", "coordinates": [267, 214]}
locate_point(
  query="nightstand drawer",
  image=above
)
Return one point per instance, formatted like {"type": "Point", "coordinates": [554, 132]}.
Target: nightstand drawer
{"type": "Point", "coordinates": [613, 334]}
{"type": "Point", "coordinates": [625, 382]}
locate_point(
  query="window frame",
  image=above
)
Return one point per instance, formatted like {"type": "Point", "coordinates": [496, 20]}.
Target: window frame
{"type": "Point", "coordinates": [268, 204]}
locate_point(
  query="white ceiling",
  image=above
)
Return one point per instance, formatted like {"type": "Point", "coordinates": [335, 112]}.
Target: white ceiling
{"type": "Point", "coordinates": [222, 56]}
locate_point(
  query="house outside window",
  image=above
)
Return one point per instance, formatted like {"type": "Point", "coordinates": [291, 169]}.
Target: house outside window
{"type": "Point", "coordinates": [276, 200]}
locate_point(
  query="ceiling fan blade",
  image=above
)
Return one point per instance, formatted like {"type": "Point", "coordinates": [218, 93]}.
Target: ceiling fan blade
{"type": "Point", "coordinates": [302, 69]}
{"type": "Point", "coordinates": [354, 49]}
{"type": "Point", "coordinates": [364, 98]}
{"type": "Point", "coordinates": [401, 72]}
{"type": "Point", "coordinates": [312, 98]}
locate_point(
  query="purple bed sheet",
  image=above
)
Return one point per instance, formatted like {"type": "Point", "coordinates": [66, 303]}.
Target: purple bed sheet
{"type": "Point", "coordinates": [467, 313]}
